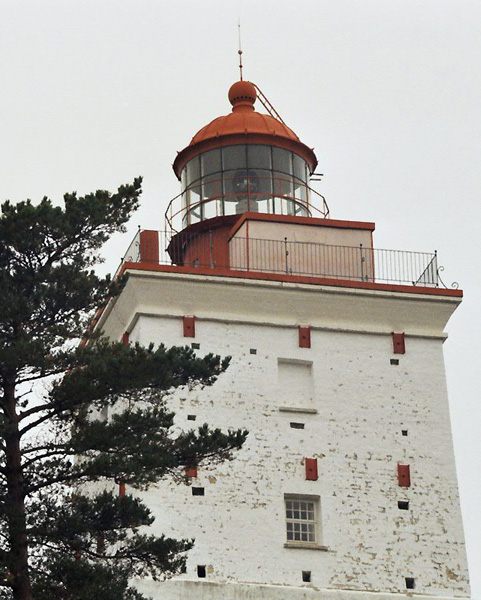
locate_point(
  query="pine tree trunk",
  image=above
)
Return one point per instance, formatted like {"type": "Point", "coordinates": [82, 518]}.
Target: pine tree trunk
{"type": "Point", "coordinates": [15, 505]}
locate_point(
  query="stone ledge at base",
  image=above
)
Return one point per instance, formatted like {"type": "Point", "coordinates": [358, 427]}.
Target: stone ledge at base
{"type": "Point", "coordinates": [205, 590]}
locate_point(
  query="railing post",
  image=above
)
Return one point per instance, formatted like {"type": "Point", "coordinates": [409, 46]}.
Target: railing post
{"type": "Point", "coordinates": [287, 256]}
{"type": "Point", "coordinates": [362, 262]}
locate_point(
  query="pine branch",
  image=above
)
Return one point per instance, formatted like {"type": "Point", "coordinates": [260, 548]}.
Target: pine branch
{"type": "Point", "coordinates": [60, 452]}
{"type": "Point", "coordinates": [38, 422]}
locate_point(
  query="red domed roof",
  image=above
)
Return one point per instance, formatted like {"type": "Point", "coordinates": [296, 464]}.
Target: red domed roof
{"type": "Point", "coordinates": [244, 122]}
{"type": "Point", "coordinates": [244, 125]}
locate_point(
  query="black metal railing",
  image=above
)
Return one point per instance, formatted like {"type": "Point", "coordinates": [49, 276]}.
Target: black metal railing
{"type": "Point", "coordinates": [284, 256]}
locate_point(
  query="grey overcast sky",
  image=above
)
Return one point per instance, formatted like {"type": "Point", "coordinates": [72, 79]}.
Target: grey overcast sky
{"type": "Point", "coordinates": [95, 92]}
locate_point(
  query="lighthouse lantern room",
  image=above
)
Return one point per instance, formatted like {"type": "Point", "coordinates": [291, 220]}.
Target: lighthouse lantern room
{"type": "Point", "coordinates": [244, 162]}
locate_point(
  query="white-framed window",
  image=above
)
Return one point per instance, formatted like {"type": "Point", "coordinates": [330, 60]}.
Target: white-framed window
{"type": "Point", "coordinates": [302, 520]}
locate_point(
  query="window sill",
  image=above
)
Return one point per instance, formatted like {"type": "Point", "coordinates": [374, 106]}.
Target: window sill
{"type": "Point", "coordinates": [305, 546]}
{"type": "Point", "coordinates": [293, 409]}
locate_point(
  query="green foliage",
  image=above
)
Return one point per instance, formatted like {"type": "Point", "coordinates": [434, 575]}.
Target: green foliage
{"type": "Point", "coordinates": [77, 538]}
{"type": "Point", "coordinates": [70, 579]}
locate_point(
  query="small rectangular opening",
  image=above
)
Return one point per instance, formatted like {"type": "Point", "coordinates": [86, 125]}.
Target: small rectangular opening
{"type": "Point", "coordinates": [404, 432]}
{"type": "Point", "coordinates": [200, 570]}
{"type": "Point", "coordinates": [306, 576]}
{"type": "Point", "coordinates": [403, 505]}
{"type": "Point", "coordinates": [191, 417]}
{"type": "Point", "coordinates": [409, 583]}
{"type": "Point", "coordinates": [394, 361]}
{"type": "Point", "coordinates": [297, 425]}
{"type": "Point", "coordinates": [253, 351]}
{"type": "Point", "coordinates": [195, 346]}
{"type": "Point", "coordinates": [198, 491]}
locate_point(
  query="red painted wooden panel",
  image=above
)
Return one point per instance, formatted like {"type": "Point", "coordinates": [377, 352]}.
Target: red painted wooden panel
{"type": "Point", "coordinates": [189, 326]}
{"type": "Point", "coordinates": [149, 246]}
{"type": "Point", "coordinates": [404, 475]}
{"type": "Point", "coordinates": [209, 249]}
{"type": "Point", "coordinates": [191, 471]}
{"type": "Point", "coordinates": [122, 489]}
{"type": "Point", "coordinates": [126, 338]}
{"type": "Point", "coordinates": [304, 337]}
{"type": "Point", "coordinates": [398, 343]}
{"type": "Point", "coordinates": [311, 469]}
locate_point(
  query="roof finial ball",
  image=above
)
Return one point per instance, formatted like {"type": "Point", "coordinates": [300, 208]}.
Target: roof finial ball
{"type": "Point", "coordinates": [242, 95]}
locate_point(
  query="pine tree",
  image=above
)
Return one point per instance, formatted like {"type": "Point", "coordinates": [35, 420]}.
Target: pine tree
{"type": "Point", "coordinates": [64, 533]}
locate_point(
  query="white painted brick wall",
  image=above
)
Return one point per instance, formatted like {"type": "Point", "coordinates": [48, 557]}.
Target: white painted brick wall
{"type": "Point", "coordinates": [363, 403]}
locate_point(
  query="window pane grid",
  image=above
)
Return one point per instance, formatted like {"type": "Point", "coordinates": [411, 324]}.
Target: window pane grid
{"type": "Point", "coordinates": [301, 521]}
{"type": "Point", "coordinates": [279, 178]}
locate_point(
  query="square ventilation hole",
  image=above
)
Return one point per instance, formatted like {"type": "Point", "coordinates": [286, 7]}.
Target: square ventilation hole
{"type": "Point", "coordinates": [297, 425]}
{"type": "Point", "coordinates": [253, 351]}
{"type": "Point", "coordinates": [409, 583]}
{"type": "Point", "coordinates": [394, 361]}
{"type": "Point", "coordinates": [306, 576]}
{"type": "Point", "coordinates": [403, 505]}
{"type": "Point", "coordinates": [191, 417]}
{"type": "Point", "coordinates": [198, 491]}
{"type": "Point", "coordinates": [404, 432]}
{"type": "Point", "coordinates": [195, 346]}
{"type": "Point", "coordinates": [201, 571]}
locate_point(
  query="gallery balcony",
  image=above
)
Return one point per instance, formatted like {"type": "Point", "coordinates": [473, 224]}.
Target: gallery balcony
{"type": "Point", "coordinates": [217, 253]}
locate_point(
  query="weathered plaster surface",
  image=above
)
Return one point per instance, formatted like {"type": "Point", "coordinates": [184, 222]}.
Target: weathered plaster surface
{"type": "Point", "coordinates": [362, 402]}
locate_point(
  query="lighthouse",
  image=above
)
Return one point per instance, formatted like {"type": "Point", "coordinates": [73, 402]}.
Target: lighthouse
{"type": "Point", "coordinates": [346, 487]}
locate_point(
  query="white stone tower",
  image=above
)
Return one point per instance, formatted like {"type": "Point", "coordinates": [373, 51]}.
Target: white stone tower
{"type": "Point", "coordinates": [346, 487]}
